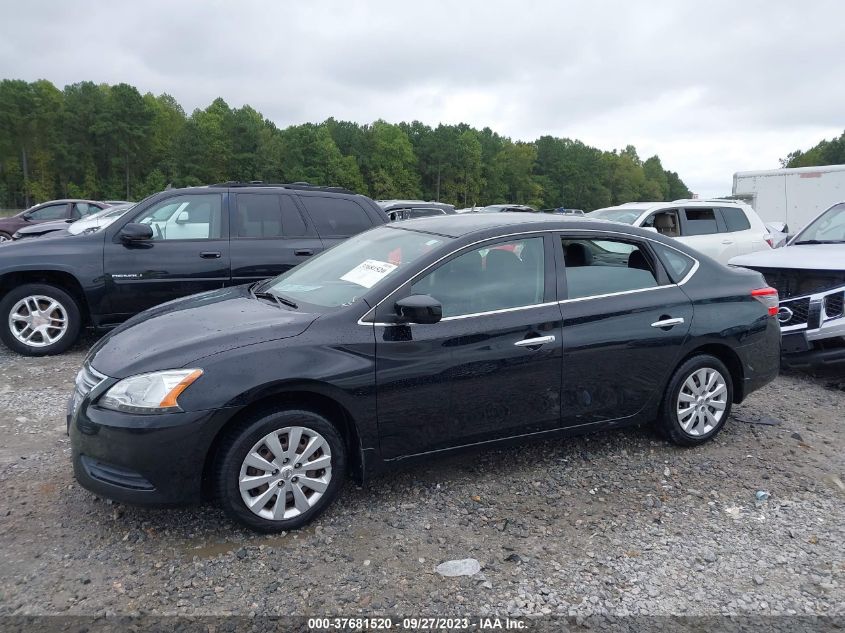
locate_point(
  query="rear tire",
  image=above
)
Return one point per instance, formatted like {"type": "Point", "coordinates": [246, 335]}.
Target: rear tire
{"type": "Point", "coordinates": [278, 470]}
{"type": "Point", "coordinates": [39, 320]}
{"type": "Point", "coordinates": [5, 237]}
{"type": "Point", "coordinates": [697, 402]}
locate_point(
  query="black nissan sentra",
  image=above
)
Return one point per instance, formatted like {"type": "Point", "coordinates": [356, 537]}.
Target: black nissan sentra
{"type": "Point", "coordinates": [410, 340]}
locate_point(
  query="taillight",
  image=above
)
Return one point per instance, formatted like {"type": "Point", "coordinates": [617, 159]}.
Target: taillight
{"type": "Point", "coordinates": [768, 297]}
{"type": "Point", "coordinates": [770, 242]}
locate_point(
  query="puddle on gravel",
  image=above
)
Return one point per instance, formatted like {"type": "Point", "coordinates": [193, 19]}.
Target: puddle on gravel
{"type": "Point", "coordinates": [212, 550]}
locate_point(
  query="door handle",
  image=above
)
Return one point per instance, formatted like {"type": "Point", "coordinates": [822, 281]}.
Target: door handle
{"type": "Point", "coordinates": [727, 241]}
{"type": "Point", "coordinates": [667, 323]}
{"type": "Point", "coordinates": [536, 341]}
{"type": "Point", "coordinates": [210, 254]}
{"type": "Point", "coordinates": [303, 252]}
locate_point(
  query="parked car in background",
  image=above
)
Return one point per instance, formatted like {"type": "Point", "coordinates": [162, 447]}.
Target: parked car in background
{"type": "Point", "coordinates": [563, 211]}
{"type": "Point", "coordinates": [72, 209]}
{"type": "Point", "coordinates": [410, 209]}
{"type": "Point", "coordinates": [175, 243]}
{"type": "Point", "coordinates": [809, 274]}
{"type": "Point", "coordinates": [506, 208]}
{"type": "Point", "coordinates": [89, 222]}
{"type": "Point", "coordinates": [375, 353]}
{"type": "Point", "coordinates": [719, 228]}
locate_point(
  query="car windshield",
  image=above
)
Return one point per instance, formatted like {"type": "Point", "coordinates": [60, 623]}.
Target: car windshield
{"type": "Point", "coordinates": [626, 216]}
{"type": "Point", "coordinates": [99, 220]}
{"type": "Point", "coordinates": [341, 275]}
{"type": "Point", "coordinates": [828, 228]}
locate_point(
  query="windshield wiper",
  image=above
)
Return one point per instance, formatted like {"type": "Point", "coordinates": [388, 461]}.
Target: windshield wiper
{"type": "Point", "coordinates": [820, 242]}
{"type": "Point", "coordinates": [266, 294]}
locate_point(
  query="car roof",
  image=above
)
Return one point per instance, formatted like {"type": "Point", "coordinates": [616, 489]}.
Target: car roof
{"type": "Point", "coordinates": [463, 224]}
{"type": "Point", "coordinates": [686, 202]}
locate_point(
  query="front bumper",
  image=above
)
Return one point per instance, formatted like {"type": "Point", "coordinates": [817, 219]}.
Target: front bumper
{"type": "Point", "coordinates": [143, 459]}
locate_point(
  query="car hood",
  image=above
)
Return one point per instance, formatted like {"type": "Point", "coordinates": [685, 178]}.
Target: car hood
{"type": "Point", "coordinates": [180, 332]}
{"type": "Point", "coordinates": [802, 257]}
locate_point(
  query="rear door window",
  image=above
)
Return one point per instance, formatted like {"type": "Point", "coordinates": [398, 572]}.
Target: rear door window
{"type": "Point", "coordinates": [267, 216]}
{"type": "Point", "coordinates": [336, 217]}
{"type": "Point", "coordinates": [735, 219]}
{"type": "Point", "coordinates": [600, 267]}
{"type": "Point", "coordinates": [699, 222]}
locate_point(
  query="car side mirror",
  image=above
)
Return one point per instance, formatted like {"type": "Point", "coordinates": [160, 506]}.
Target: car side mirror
{"type": "Point", "coordinates": [778, 227]}
{"type": "Point", "coordinates": [135, 232]}
{"type": "Point", "coordinates": [423, 309]}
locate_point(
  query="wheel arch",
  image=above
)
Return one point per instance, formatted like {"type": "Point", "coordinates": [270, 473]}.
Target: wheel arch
{"type": "Point", "coordinates": [312, 397]}
{"type": "Point", "coordinates": [730, 359]}
{"type": "Point", "coordinates": [60, 278]}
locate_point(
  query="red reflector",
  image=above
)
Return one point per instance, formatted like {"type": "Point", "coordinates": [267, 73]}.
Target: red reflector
{"type": "Point", "coordinates": [762, 292]}
{"type": "Point", "coordinates": [773, 311]}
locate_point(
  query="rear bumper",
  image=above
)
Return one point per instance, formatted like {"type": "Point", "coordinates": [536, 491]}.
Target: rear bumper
{"type": "Point", "coordinates": [760, 359]}
{"type": "Point", "coordinates": [143, 460]}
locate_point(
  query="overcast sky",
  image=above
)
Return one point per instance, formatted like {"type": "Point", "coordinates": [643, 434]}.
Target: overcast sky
{"type": "Point", "coordinates": [712, 87]}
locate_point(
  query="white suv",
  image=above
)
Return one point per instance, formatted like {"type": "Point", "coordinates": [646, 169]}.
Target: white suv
{"type": "Point", "coordinates": [719, 228]}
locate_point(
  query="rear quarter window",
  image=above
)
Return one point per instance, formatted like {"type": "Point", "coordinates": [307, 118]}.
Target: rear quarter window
{"type": "Point", "coordinates": [336, 217]}
{"type": "Point", "coordinates": [677, 264]}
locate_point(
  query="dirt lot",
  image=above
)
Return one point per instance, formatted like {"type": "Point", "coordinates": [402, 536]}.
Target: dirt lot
{"type": "Point", "coordinates": [613, 523]}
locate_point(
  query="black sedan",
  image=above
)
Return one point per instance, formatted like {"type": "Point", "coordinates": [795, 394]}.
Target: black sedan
{"type": "Point", "coordinates": [410, 340]}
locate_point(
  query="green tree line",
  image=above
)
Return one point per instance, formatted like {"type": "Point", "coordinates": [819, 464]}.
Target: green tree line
{"type": "Point", "coordinates": [826, 152]}
{"type": "Point", "coordinates": [112, 142]}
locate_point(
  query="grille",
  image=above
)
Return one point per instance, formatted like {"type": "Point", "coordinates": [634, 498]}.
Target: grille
{"type": "Point", "coordinates": [87, 379]}
{"type": "Point", "coordinates": [834, 305]}
{"type": "Point", "coordinates": [800, 312]}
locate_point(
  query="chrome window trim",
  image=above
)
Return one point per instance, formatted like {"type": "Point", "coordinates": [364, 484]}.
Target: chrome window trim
{"type": "Point", "coordinates": [688, 276]}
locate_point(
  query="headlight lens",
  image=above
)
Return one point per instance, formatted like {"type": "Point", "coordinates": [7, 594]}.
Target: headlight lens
{"type": "Point", "coordinates": [156, 392]}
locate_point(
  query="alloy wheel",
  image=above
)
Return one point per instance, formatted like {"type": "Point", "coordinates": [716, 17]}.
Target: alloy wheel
{"type": "Point", "coordinates": [285, 473]}
{"type": "Point", "coordinates": [38, 321]}
{"type": "Point", "coordinates": [702, 401]}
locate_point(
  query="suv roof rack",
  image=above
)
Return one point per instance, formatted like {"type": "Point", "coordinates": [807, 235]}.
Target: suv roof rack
{"type": "Point", "coordinates": [301, 186]}
{"type": "Point", "coordinates": [716, 199]}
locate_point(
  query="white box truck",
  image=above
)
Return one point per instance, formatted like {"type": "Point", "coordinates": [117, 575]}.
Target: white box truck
{"type": "Point", "coordinates": [792, 196]}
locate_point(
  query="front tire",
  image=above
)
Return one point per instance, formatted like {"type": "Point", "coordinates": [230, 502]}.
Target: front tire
{"type": "Point", "coordinates": [278, 470]}
{"type": "Point", "coordinates": [5, 237]}
{"type": "Point", "coordinates": [697, 402]}
{"type": "Point", "coordinates": [39, 320]}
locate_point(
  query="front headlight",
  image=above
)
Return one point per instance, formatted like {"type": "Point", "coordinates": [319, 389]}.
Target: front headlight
{"type": "Point", "coordinates": [156, 392]}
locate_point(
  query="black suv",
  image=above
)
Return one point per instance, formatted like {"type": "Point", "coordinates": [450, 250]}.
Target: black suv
{"type": "Point", "coordinates": [174, 243]}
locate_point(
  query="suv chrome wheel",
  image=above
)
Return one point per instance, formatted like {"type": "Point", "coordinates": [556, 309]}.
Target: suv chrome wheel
{"type": "Point", "coordinates": [285, 473]}
{"type": "Point", "coordinates": [38, 321]}
{"type": "Point", "coordinates": [702, 401]}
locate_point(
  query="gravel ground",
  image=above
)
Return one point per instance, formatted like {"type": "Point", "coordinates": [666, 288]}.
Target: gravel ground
{"type": "Point", "coordinates": [612, 523]}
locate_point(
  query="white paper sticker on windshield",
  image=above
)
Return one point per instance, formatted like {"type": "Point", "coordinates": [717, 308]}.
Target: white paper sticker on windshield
{"type": "Point", "coordinates": [368, 273]}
